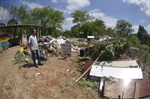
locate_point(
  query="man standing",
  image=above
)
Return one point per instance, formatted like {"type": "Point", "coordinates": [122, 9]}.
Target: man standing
{"type": "Point", "coordinates": [33, 45]}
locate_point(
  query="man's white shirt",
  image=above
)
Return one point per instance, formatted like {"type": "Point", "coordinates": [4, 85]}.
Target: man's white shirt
{"type": "Point", "coordinates": [33, 42]}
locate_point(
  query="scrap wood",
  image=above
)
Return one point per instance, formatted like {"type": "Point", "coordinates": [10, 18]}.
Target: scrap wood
{"type": "Point", "coordinates": [87, 69]}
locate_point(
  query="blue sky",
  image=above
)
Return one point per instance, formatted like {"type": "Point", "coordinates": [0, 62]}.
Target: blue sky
{"type": "Point", "coordinates": [137, 12]}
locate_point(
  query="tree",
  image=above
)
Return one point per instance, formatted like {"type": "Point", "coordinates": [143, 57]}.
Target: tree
{"type": "Point", "coordinates": [143, 35]}
{"type": "Point", "coordinates": [124, 28]}
{"type": "Point", "coordinates": [20, 14]}
{"type": "Point", "coordinates": [87, 29]}
{"type": "Point", "coordinates": [134, 40]}
{"type": "Point", "coordinates": [12, 21]}
{"type": "Point", "coordinates": [80, 17]}
{"type": "Point", "coordinates": [110, 32]}
{"type": "Point", "coordinates": [75, 30]}
{"type": "Point", "coordinates": [47, 17]}
{"type": "Point", "coordinates": [67, 34]}
{"type": "Point", "coordinates": [99, 27]}
{"type": "Point", "coordinates": [95, 28]}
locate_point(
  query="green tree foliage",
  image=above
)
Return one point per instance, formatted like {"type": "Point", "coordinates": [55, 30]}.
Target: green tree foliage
{"type": "Point", "coordinates": [47, 17]}
{"type": "Point", "coordinates": [124, 28]}
{"type": "Point", "coordinates": [67, 34]}
{"type": "Point", "coordinates": [143, 35]}
{"type": "Point", "coordinates": [80, 16]}
{"type": "Point", "coordinates": [134, 41]}
{"type": "Point", "coordinates": [87, 29]}
{"type": "Point", "coordinates": [111, 49]}
{"type": "Point", "coordinates": [56, 33]}
{"type": "Point", "coordinates": [95, 28]}
{"type": "Point", "coordinates": [75, 30]}
{"type": "Point", "coordinates": [2, 30]}
{"type": "Point", "coordinates": [111, 32]}
{"type": "Point", "coordinates": [99, 28]}
{"type": "Point", "coordinates": [19, 14]}
{"type": "Point", "coordinates": [12, 21]}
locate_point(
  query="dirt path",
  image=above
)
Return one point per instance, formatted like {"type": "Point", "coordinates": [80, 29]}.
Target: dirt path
{"type": "Point", "coordinates": [54, 80]}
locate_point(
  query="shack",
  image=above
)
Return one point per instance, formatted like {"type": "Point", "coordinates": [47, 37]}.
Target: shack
{"type": "Point", "coordinates": [16, 40]}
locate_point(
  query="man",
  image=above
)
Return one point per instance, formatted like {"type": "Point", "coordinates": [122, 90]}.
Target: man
{"type": "Point", "coordinates": [33, 45]}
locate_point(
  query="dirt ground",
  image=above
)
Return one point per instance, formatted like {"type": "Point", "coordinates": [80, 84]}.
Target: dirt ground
{"type": "Point", "coordinates": [54, 80]}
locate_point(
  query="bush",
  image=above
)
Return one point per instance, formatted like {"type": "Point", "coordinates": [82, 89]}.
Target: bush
{"type": "Point", "coordinates": [111, 49]}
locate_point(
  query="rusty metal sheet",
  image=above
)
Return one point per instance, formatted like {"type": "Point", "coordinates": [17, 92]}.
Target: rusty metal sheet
{"type": "Point", "coordinates": [87, 65]}
{"type": "Point", "coordinates": [142, 88]}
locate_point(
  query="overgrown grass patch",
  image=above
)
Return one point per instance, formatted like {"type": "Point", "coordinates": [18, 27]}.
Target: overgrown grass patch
{"type": "Point", "coordinates": [66, 85]}
{"type": "Point", "coordinates": [88, 85]}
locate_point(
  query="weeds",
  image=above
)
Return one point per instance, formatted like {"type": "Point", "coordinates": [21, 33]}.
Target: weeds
{"type": "Point", "coordinates": [7, 88]}
{"type": "Point", "coordinates": [62, 90]}
{"type": "Point", "coordinates": [88, 85]}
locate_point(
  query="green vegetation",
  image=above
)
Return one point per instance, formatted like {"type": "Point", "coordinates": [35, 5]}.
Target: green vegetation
{"type": "Point", "coordinates": [7, 88]}
{"type": "Point", "coordinates": [124, 28]}
{"type": "Point", "coordinates": [88, 85]}
{"type": "Point", "coordinates": [111, 49]}
{"type": "Point", "coordinates": [62, 90]}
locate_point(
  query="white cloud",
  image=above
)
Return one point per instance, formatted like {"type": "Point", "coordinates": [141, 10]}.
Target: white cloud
{"type": "Point", "coordinates": [3, 14]}
{"type": "Point", "coordinates": [135, 27]}
{"type": "Point", "coordinates": [31, 5]}
{"type": "Point", "coordinates": [143, 21]}
{"type": "Point", "coordinates": [54, 1]}
{"type": "Point", "coordinates": [148, 28]}
{"type": "Point", "coordinates": [109, 21]}
{"type": "Point", "coordinates": [77, 4]}
{"type": "Point", "coordinates": [143, 4]}
{"type": "Point", "coordinates": [68, 24]}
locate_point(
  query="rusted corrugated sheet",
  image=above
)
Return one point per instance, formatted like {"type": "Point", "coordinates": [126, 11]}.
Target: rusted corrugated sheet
{"type": "Point", "coordinates": [142, 88]}
{"type": "Point", "coordinates": [87, 65]}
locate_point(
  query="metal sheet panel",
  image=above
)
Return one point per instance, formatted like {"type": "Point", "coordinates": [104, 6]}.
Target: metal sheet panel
{"type": "Point", "coordinates": [124, 88]}
{"type": "Point", "coordinates": [122, 73]}
{"type": "Point", "coordinates": [142, 88]}
{"type": "Point", "coordinates": [131, 63]}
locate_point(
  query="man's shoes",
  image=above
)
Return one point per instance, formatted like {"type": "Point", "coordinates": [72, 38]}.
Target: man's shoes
{"type": "Point", "coordinates": [40, 64]}
{"type": "Point", "coordinates": [36, 66]}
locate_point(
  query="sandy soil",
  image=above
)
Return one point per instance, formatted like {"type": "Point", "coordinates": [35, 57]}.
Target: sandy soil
{"type": "Point", "coordinates": [54, 80]}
